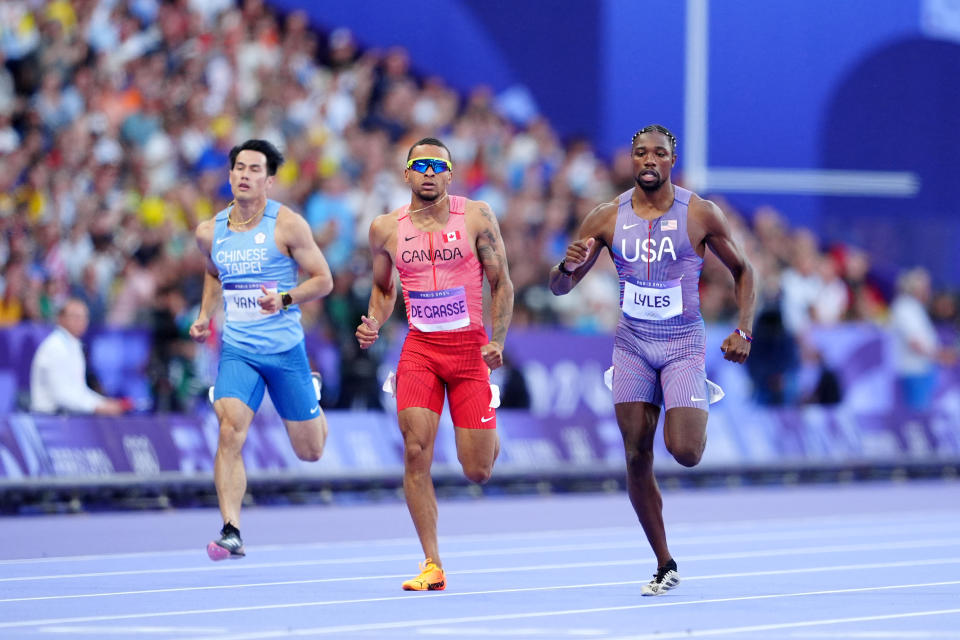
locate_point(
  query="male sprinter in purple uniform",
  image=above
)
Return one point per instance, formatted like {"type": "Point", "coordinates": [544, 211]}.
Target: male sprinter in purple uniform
{"type": "Point", "coordinates": [255, 249]}
{"type": "Point", "coordinates": [656, 234]}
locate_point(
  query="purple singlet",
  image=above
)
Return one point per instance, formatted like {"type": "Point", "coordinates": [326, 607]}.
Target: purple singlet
{"type": "Point", "coordinates": [660, 342]}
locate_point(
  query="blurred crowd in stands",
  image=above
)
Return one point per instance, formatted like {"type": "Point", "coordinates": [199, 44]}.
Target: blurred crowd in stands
{"type": "Point", "coordinates": [116, 117]}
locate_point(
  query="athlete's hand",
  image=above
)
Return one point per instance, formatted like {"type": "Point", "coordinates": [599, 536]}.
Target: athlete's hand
{"type": "Point", "coordinates": [200, 329]}
{"type": "Point", "coordinates": [735, 348]}
{"type": "Point", "coordinates": [577, 253]}
{"type": "Point", "coordinates": [269, 302]}
{"type": "Point", "coordinates": [492, 353]}
{"type": "Point", "coordinates": [367, 331]}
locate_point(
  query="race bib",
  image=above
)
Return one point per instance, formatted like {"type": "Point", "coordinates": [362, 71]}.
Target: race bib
{"type": "Point", "coordinates": [439, 310]}
{"type": "Point", "coordinates": [644, 300]}
{"type": "Point", "coordinates": [241, 298]}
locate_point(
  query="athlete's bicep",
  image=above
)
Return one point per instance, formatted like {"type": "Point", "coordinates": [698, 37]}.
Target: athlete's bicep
{"type": "Point", "coordinates": [383, 272]}
{"type": "Point", "coordinates": [491, 251]}
{"type": "Point", "coordinates": [719, 237]}
{"type": "Point", "coordinates": [382, 261]}
{"type": "Point", "coordinates": [303, 248]}
{"type": "Point", "coordinates": [596, 226]}
{"type": "Point", "coordinates": [211, 268]}
{"type": "Point", "coordinates": [312, 261]}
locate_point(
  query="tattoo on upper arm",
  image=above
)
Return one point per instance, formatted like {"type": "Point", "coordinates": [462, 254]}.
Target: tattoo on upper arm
{"type": "Point", "coordinates": [488, 242]}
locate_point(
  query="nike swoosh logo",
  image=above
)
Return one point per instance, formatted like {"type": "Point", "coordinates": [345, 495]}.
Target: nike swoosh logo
{"type": "Point", "coordinates": [692, 399]}
{"type": "Point", "coordinates": [486, 419]}
{"type": "Point", "coordinates": [315, 409]}
{"type": "Point", "coordinates": [409, 239]}
{"type": "Point", "coordinates": [630, 226]}
{"type": "Point", "coordinates": [222, 240]}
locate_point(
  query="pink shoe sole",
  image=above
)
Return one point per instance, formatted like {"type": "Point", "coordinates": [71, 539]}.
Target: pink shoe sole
{"type": "Point", "coordinates": [218, 553]}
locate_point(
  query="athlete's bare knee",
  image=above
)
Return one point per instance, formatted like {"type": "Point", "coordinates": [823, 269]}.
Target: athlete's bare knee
{"type": "Point", "coordinates": [478, 473]}
{"type": "Point", "coordinates": [688, 454]}
{"type": "Point", "coordinates": [639, 461]}
{"type": "Point", "coordinates": [232, 435]}
{"type": "Point", "coordinates": [309, 453]}
{"type": "Point", "coordinates": [416, 456]}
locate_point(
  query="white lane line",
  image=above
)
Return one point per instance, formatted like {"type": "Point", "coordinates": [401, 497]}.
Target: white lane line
{"type": "Point", "coordinates": [934, 519]}
{"type": "Point", "coordinates": [126, 631]}
{"type": "Point", "coordinates": [577, 548]}
{"type": "Point", "coordinates": [548, 632]}
{"type": "Point", "coordinates": [447, 594]}
{"type": "Point", "coordinates": [786, 625]}
{"type": "Point", "coordinates": [512, 632]}
{"type": "Point", "coordinates": [511, 569]}
{"type": "Point", "coordinates": [345, 544]}
{"type": "Point", "coordinates": [897, 635]}
{"type": "Point", "coordinates": [375, 626]}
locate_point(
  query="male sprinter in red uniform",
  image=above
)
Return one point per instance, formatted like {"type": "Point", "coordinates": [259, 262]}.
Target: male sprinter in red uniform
{"type": "Point", "coordinates": [442, 246]}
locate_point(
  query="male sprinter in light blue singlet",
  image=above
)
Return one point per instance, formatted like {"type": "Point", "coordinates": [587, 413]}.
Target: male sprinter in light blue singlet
{"type": "Point", "coordinates": [254, 249]}
{"type": "Point", "coordinates": [656, 234]}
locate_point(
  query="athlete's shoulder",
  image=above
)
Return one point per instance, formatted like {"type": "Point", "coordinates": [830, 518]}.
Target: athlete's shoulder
{"type": "Point", "coordinates": [387, 220]}
{"type": "Point", "coordinates": [478, 209]}
{"type": "Point", "coordinates": [291, 229]}
{"type": "Point", "coordinates": [204, 232]}
{"type": "Point", "coordinates": [698, 206]}
{"type": "Point", "coordinates": [383, 227]}
{"type": "Point", "coordinates": [604, 212]}
{"type": "Point", "coordinates": [286, 215]}
{"type": "Point", "coordinates": [475, 205]}
{"type": "Point", "coordinates": [284, 211]}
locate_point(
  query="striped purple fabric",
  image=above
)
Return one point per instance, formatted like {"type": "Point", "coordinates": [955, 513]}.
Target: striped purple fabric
{"type": "Point", "coordinates": [659, 361]}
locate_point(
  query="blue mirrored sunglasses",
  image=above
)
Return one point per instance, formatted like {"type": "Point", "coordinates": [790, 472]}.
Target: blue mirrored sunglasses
{"type": "Point", "coordinates": [420, 165]}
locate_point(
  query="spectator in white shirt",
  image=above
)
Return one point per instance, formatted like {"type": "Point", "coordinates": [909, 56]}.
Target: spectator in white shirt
{"type": "Point", "coordinates": [58, 372]}
{"type": "Point", "coordinates": [917, 349]}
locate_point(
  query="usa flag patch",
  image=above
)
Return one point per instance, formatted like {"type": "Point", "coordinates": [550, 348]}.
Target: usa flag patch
{"type": "Point", "coordinates": [451, 236]}
{"type": "Point", "coordinates": [668, 225]}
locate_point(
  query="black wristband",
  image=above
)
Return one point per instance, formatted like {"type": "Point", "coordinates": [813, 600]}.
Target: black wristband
{"type": "Point", "coordinates": [286, 300]}
{"type": "Point", "coordinates": [563, 269]}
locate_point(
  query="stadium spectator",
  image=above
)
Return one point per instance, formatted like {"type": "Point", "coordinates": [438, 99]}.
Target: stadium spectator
{"type": "Point", "coordinates": [917, 350]}
{"type": "Point", "coordinates": [58, 372]}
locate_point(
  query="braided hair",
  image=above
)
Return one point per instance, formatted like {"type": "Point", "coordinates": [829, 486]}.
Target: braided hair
{"type": "Point", "coordinates": [660, 129]}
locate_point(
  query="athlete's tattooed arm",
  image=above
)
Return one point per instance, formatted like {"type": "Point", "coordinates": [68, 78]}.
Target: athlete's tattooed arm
{"type": "Point", "coordinates": [493, 256]}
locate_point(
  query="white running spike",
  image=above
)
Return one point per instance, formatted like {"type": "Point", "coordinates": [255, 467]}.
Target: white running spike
{"type": "Point", "coordinates": [654, 588]}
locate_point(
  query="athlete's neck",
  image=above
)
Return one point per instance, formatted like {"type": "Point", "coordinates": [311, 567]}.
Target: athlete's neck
{"type": "Point", "coordinates": [247, 210]}
{"type": "Point", "coordinates": [436, 209]}
{"type": "Point", "coordinates": [656, 202]}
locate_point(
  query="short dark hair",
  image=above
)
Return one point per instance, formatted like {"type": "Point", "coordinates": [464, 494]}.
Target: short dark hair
{"type": "Point", "coordinates": [274, 157]}
{"type": "Point", "coordinates": [660, 129]}
{"type": "Point", "coordinates": [433, 142]}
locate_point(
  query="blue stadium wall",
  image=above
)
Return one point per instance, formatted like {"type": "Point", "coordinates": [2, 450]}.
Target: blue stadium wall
{"type": "Point", "coordinates": [818, 84]}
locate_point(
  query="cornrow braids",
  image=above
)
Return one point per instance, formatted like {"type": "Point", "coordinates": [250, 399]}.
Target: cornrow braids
{"type": "Point", "coordinates": [660, 129]}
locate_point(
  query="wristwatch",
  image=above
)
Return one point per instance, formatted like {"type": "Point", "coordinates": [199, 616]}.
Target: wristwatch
{"type": "Point", "coordinates": [563, 268]}
{"type": "Point", "coordinates": [285, 299]}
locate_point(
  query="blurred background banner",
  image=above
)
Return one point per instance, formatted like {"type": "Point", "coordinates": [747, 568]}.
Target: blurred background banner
{"type": "Point", "coordinates": [566, 425]}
